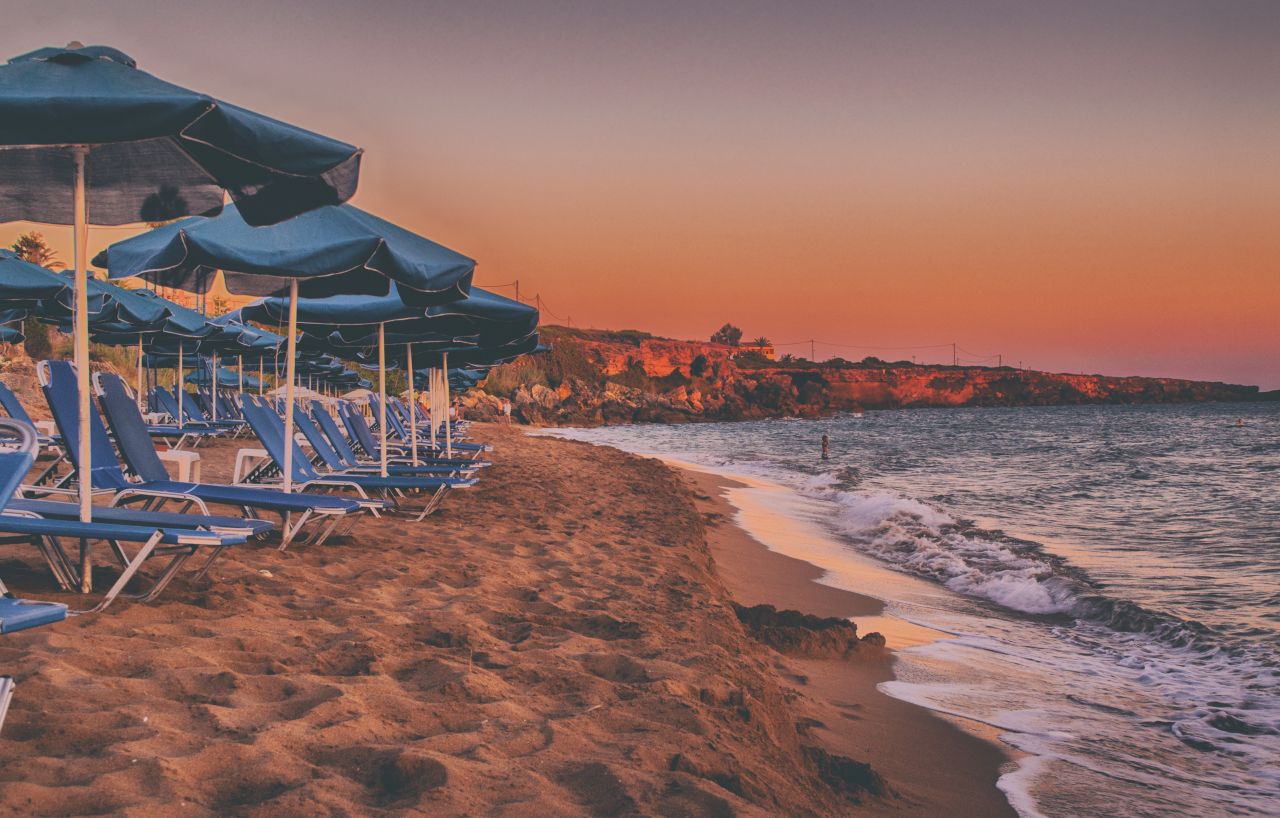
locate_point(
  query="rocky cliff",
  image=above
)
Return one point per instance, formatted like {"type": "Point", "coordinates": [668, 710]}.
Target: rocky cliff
{"type": "Point", "coordinates": [596, 377]}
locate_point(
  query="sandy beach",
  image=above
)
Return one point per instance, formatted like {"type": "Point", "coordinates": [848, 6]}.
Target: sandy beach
{"type": "Point", "coordinates": [560, 640]}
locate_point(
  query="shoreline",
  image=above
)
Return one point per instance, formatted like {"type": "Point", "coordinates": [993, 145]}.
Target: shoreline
{"type": "Point", "coordinates": [934, 765]}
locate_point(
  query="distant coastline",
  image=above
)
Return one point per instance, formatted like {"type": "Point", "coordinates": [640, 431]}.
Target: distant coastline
{"type": "Point", "coordinates": [600, 377]}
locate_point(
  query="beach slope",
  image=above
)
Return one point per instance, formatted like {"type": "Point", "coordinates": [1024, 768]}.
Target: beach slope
{"type": "Point", "coordinates": [555, 642]}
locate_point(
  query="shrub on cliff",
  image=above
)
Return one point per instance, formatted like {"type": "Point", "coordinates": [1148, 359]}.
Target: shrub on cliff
{"type": "Point", "coordinates": [672, 380]}
{"type": "Point", "coordinates": [504, 381]}
{"type": "Point", "coordinates": [698, 366]}
{"type": "Point", "coordinates": [567, 361]}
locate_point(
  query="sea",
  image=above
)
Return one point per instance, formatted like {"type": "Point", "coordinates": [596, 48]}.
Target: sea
{"type": "Point", "coordinates": [1103, 582]}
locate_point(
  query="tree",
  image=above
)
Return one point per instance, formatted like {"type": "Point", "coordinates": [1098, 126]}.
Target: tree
{"type": "Point", "coordinates": [728, 334]}
{"type": "Point", "coordinates": [762, 341]}
{"type": "Point", "coordinates": [219, 305]}
{"type": "Point", "coordinates": [33, 248]}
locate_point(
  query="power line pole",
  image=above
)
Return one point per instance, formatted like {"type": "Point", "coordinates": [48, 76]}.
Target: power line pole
{"type": "Point", "coordinates": [999, 360]}
{"type": "Point", "coordinates": [517, 289]}
{"type": "Point", "coordinates": [813, 355]}
{"type": "Point", "coordinates": [954, 360]}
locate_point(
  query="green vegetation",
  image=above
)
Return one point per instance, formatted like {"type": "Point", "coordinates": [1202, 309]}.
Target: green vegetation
{"type": "Point", "coordinates": [698, 366]}
{"type": "Point", "coordinates": [565, 361]}
{"type": "Point", "coordinates": [728, 334]}
{"type": "Point", "coordinates": [33, 248]}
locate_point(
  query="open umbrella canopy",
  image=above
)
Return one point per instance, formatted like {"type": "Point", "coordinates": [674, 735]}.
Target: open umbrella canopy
{"type": "Point", "coordinates": [226, 379]}
{"type": "Point", "coordinates": [479, 356]}
{"type": "Point", "coordinates": [157, 151]}
{"type": "Point", "coordinates": [23, 283]}
{"type": "Point", "coordinates": [114, 309]}
{"type": "Point", "coordinates": [339, 250]}
{"type": "Point", "coordinates": [487, 318]}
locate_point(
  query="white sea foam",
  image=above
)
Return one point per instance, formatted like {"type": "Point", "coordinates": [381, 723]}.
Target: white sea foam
{"type": "Point", "coordinates": [1123, 709]}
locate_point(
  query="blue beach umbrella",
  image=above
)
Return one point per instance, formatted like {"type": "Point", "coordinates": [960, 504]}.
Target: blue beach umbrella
{"type": "Point", "coordinates": [226, 379]}
{"type": "Point", "coordinates": [23, 283]}
{"type": "Point", "coordinates": [131, 148]}
{"type": "Point", "coordinates": [330, 251]}
{"type": "Point", "coordinates": [482, 318]}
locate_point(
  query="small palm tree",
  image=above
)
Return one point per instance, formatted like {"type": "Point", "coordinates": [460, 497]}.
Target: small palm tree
{"type": "Point", "coordinates": [33, 248]}
{"type": "Point", "coordinates": [762, 342]}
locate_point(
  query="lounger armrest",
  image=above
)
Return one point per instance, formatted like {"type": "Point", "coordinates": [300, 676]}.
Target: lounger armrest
{"type": "Point", "coordinates": [128, 494]}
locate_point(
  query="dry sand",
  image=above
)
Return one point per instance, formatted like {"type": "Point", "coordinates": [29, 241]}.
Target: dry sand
{"type": "Point", "coordinates": [555, 642]}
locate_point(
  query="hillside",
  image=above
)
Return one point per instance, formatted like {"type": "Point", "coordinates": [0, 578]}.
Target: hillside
{"type": "Point", "coordinates": [596, 377]}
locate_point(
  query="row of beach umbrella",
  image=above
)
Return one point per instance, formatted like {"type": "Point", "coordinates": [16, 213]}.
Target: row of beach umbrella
{"type": "Point", "coordinates": [86, 137]}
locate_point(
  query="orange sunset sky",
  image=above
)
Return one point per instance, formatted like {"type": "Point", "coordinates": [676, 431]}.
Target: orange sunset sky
{"type": "Point", "coordinates": [1089, 186]}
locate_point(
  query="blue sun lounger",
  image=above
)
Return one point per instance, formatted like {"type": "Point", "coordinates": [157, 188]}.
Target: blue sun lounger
{"type": "Point", "coordinates": [269, 428]}
{"type": "Point", "coordinates": [19, 615]}
{"type": "Point", "coordinates": [346, 452]}
{"type": "Point", "coordinates": [179, 544]}
{"type": "Point", "coordinates": [362, 435]}
{"type": "Point", "coordinates": [330, 453]}
{"type": "Point", "coordinates": [166, 403]}
{"type": "Point", "coordinates": [14, 408]}
{"type": "Point", "coordinates": [400, 433]}
{"type": "Point", "coordinates": [154, 487]}
{"type": "Point", "coordinates": [192, 407]}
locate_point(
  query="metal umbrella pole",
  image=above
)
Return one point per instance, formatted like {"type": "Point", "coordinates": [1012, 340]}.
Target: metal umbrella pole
{"type": "Point", "coordinates": [382, 391]}
{"type": "Point", "coordinates": [448, 422]}
{"type": "Point", "coordinates": [290, 374]}
{"type": "Point", "coordinates": [80, 250]}
{"type": "Point", "coordinates": [139, 396]}
{"type": "Point", "coordinates": [413, 406]}
{"type": "Point", "coordinates": [179, 389]}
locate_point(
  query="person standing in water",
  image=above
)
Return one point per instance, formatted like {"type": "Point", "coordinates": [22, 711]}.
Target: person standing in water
{"type": "Point", "coordinates": [826, 448]}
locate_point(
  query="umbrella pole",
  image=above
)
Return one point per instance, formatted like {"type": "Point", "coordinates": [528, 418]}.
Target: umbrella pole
{"type": "Point", "coordinates": [290, 373]}
{"type": "Point", "coordinates": [413, 406]}
{"type": "Point", "coordinates": [213, 386]}
{"type": "Point", "coordinates": [80, 249]}
{"type": "Point", "coordinates": [448, 422]}
{"type": "Point", "coordinates": [262, 376]}
{"type": "Point", "coordinates": [382, 391]}
{"type": "Point", "coordinates": [140, 392]}
{"type": "Point", "coordinates": [240, 376]}
{"type": "Point", "coordinates": [433, 403]}
{"type": "Point", "coordinates": [180, 389]}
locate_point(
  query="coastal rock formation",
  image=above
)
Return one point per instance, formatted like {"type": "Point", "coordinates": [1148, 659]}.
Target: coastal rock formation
{"type": "Point", "coordinates": [800, 634]}
{"type": "Point", "coordinates": [594, 377]}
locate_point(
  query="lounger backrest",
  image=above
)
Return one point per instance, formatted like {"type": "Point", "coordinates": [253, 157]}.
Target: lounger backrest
{"type": "Point", "coordinates": [63, 396]}
{"type": "Point", "coordinates": [269, 428]}
{"type": "Point", "coordinates": [15, 463]}
{"type": "Point", "coordinates": [192, 408]}
{"type": "Point", "coordinates": [13, 406]}
{"type": "Point", "coordinates": [359, 429]}
{"type": "Point", "coordinates": [164, 402]}
{"type": "Point", "coordinates": [129, 428]}
{"type": "Point", "coordinates": [227, 407]}
{"type": "Point", "coordinates": [317, 440]}
{"type": "Point", "coordinates": [402, 416]}
{"type": "Point", "coordinates": [331, 431]}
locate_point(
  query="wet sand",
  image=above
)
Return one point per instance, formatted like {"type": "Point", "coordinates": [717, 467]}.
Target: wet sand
{"type": "Point", "coordinates": [556, 641]}
{"type": "Point", "coordinates": [934, 767]}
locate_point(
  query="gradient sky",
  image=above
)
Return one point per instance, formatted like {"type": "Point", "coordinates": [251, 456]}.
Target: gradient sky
{"type": "Point", "coordinates": [1081, 186]}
